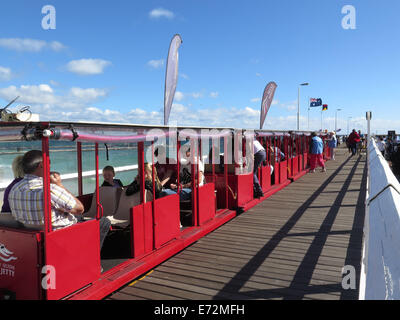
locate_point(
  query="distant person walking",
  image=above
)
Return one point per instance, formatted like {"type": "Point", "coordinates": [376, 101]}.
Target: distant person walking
{"type": "Point", "coordinates": [333, 144]}
{"type": "Point", "coordinates": [316, 151]}
{"type": "Point", "coordinates": [354, 139]}
{"type": "Point", "coordinates": [259, 157]}
{"type": "Point", "coordinates": [381, 146]}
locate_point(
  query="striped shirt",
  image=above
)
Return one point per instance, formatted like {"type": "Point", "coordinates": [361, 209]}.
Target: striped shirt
{"type": "Point", "coordinates": [26, 203]}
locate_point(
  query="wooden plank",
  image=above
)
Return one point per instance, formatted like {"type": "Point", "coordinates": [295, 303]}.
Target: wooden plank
{"type": "Point", "coordinates": [291, 246]}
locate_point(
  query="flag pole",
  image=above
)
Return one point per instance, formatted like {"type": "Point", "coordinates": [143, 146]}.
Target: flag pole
{"type": "Point", "coordinates": [308, 120]}
{"type": "Point", "coordinates": [321, 119]}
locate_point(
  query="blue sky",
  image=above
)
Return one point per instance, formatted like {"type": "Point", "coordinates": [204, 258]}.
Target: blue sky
{"type": "Point", "coordinates": [105, 61]}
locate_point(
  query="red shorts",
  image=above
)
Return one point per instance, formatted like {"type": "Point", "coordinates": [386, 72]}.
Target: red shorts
{"type": "Point", "coordinates": [317, 160]}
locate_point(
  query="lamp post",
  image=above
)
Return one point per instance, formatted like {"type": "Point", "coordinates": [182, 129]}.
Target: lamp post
{"type": "Point", "coordinates": [298, 105]}
{"type": "Point", "coordinates": [336, 119]}
{"type": "Point", "coordinates": [348, 122]}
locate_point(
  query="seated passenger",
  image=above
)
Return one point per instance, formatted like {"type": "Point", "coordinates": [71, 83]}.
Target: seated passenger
{"type": "Point", "coordinates": [134, 187]}
{"type": "Point", "coordinates": [259, 157]}
{"type": "Point", "coordinates": [18, 175]}
{"type": "Point", "coordinates": [278, 154]}
{"type": "Point", "coordinates": [185, 178]}
{"type": "Point", "coordinates": [109, 181]}
{"type": "Point", "coordinates": [26, 199]}
{"type": "Point", "coordinates": [166, 169]}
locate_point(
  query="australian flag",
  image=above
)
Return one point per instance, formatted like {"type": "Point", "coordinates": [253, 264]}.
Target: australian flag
{"type": "Point", "coordinates": [315, 102]}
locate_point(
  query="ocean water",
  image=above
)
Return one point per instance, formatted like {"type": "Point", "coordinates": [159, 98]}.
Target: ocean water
{"type": "Point", "coordinates": [63, 157]}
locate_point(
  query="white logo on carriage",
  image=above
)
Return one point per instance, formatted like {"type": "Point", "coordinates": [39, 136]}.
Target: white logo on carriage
{"type": "Point", "coordinates": [5, 254]}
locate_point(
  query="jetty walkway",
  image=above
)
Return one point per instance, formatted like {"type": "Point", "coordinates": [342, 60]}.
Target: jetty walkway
{"type": "Point", "coordinates": [291, 246]}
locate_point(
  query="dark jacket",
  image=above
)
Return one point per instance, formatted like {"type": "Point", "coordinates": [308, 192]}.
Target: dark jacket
{"type": "Point", "coordinates": [116, 181]}
{"type": "Point", "coordinates": [134, 187]}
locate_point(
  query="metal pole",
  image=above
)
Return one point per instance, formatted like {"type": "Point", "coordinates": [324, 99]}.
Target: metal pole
{"type": "Point", "coordinates": [298, 109]}
{"type": "Point", "coordinates": [79, 159]}
{"type": "Point", "coordinates": [321, 120]}
{"type": "Point", "coordinates": [336, 121]}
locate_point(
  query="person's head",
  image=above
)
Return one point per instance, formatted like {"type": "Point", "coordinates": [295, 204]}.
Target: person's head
{"type": "Point", "coordinates": [32, 163]}
{"type": "Point", "coordinates": [148, 173]}
{"type": "Point", "coordinates": [161, 150]}
{"type": "Point", "coordinates": [161, 154]}
{"type": "Point", "coordinates": [108, 173]}
{"type": "Point", "coordinates": [17, 168]}
{"type": "Point", "coordinates": [314, 134]}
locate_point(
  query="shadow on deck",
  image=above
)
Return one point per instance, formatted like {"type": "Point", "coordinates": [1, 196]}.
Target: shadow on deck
{"type": "Point", "coordinates": [292, 246]}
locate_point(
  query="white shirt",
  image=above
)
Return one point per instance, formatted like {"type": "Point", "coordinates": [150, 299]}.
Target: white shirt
{"type": "Point", "coordinates": [381, 145]}
{"type": "Point", "coordinates": [26, 203]}
{"type": "Point", "coordinates": [257, 146]}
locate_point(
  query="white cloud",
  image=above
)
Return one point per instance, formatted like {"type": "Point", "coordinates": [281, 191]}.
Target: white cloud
{"type": "Point", "coordinates": [214, 94]}
{"type": "Point", "coordinates": [196, 95]}
{"type": "Point", "coordinates": [88, 66]}
{"type": "Point", "coordinates": [179, 96]}
{"type": "Point", "coordinates": [184, 76]}
{"type": "Point", "coordinates": [256, 100]}
{"type": "Point", "coordinates": [87, 95]}
{"type": "Point", "coordinates": [252, 112]}
{"type": "Point", "coordinates": [76, 104]}
{"type": "Point", "coordinates": [30, 94]}
{"type": "Point", "coordinates": [57, 46]}
{"type": "Point", "coordinates": [44, 100]}
{"type": "Point", "coordinates": [156, 64]}
{"type": "Point", "coordinates": [290, 106]}
{"type": "Point", "coordinates": [5, 74]}
{"type": "Point", "coordinates": [161, 13]}
{"type": "Point", "coordinates": [30, 45]}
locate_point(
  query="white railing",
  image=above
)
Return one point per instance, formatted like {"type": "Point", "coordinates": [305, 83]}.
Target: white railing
{"type": "Point", "coordinates": [380, 265]}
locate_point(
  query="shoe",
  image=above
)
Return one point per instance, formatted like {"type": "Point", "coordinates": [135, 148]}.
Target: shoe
{"type": "Point", "coordinates": [312, 171]}
{"type": "Point", "coordinates": [258, 194]}
{"type": "Point", "coordinates": [323, 170]}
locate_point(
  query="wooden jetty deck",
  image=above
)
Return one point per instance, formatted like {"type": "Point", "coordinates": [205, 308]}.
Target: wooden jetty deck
{"type": "Point", "coordinates": [292, 246]}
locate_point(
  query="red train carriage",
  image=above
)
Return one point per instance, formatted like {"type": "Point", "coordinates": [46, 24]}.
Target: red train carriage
{"type": "Point", "coordinates": [68, 263]}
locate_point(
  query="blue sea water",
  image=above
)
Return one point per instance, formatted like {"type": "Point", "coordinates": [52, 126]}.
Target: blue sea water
{"type": "Point", "coordinates": [63, 157]}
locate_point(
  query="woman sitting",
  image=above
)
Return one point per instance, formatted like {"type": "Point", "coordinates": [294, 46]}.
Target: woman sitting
{"type": "Point", "coordinates": [18, 175]}
{"type": "Point", "coordinates": [109, 181]}
{"type": "Point", "coordinates": [134, 187]}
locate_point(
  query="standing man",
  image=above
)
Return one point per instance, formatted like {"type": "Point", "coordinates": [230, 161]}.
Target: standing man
{"type": "Point", "coordinates": [316, 151]}
{"type": "Point", "coordinates": [259, 157]}
{"type": "Point", "coordinates": [354, 139]}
